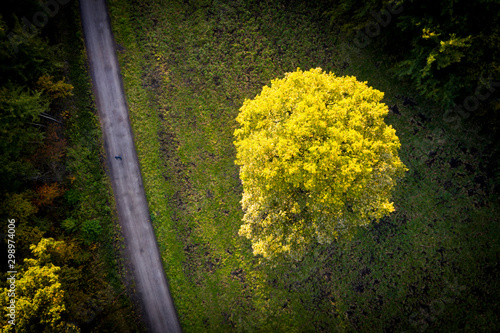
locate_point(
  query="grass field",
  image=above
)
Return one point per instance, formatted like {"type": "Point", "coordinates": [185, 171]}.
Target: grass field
{"type": "Point", "coordinates": [431, 265]}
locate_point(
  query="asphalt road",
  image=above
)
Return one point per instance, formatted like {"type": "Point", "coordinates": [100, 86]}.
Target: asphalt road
{"type": "Point", "coordinates": [141, 246]}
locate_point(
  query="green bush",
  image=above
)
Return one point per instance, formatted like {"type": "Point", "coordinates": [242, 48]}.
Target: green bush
{"type": "Point", "coordinates": [91, 231]}
{"type": "Point", "coordinates": [72, 196]}
{"type": "Point", "coordinates": [70, 225]}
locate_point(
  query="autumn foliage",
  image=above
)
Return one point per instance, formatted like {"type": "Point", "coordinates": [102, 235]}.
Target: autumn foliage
{"type": "Point", "coordinates": [47, 193]}
{"type": "Point", "coordinates": [317, 160]}
{"type": "Point", "coordinates": [39, 293]}
{"type": "Point", "coordinates": [55, 90]}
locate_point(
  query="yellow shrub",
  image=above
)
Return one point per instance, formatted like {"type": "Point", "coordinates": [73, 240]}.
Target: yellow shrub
{"type": "Point", "coordinates": [54, 89]}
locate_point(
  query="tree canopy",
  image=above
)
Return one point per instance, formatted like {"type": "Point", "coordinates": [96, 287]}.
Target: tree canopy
{"type": "Point", "coordinates": [39, 294]}
{"type": "Point", "coordinates": [317, 160]}
{"type": "Point", "coordinates": [444, 47]}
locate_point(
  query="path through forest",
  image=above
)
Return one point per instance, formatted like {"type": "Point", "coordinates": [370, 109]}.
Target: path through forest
{"type": "Point", "coordinates": [124, 170]}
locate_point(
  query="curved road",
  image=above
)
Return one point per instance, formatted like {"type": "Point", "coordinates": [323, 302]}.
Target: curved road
{"type": "Point", "coordinates": [142, 249]}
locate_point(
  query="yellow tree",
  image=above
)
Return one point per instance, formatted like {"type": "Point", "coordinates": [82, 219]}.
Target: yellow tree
{"type": "Point", "coordinates": [316, 161]}
{"type": "Point", "coordinates": [39, 296]}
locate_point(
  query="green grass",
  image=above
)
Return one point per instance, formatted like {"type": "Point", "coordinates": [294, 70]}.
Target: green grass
{"type": "Point", "coordinates": [187, 69]}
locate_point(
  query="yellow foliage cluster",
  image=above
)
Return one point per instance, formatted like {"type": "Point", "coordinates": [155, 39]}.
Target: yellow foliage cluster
{"type": "Point", "coordinates": [450, 51]}
{"type": "Point", "coordinates": [317, 160]}
{"type": "Point", "coordinates": [20, 205]}
{"type": "Point", "coordinates": [47, 194]}
{"type": "Point", "coordinates": [39, 294]}
{"type": "Point", "coordinates": [58, 89]}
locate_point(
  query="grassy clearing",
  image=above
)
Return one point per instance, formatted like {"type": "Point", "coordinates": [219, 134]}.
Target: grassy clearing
{"type": "Point", "coordinates": [187, 68]}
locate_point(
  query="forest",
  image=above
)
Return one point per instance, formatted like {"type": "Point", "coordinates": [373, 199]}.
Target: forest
{"type": "Point", "coordinates": [195, 73]}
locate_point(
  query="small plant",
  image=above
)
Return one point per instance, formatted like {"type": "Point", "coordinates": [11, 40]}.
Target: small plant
{"type": "Point", "coordinates": [69, 225]}
{"type": "Point", "coordinates": [91, 231]}
{"type": "Point", "coordinates": [72, 196]}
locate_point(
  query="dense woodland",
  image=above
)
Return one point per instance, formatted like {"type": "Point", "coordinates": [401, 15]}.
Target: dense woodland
{"type": "Point", "coordinates": [53, 182]}
{"type": "Point", "coordinates": [188, 66]}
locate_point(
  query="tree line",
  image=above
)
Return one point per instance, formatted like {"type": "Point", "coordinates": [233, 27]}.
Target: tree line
{"type": "Point", "coordinates": [62, 281]}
